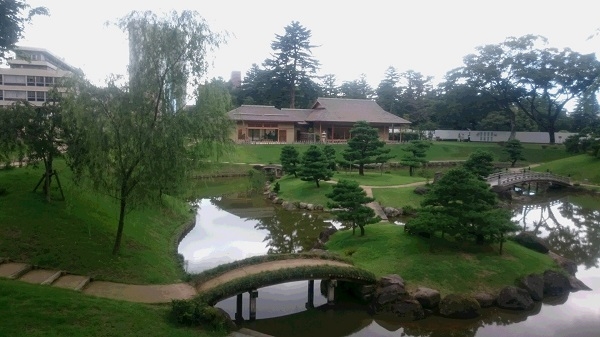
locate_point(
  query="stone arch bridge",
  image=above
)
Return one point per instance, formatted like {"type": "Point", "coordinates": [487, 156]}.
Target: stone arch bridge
{"type": "Point", "coordinates": [248, 275]}
{"type": "Point", "coordinates": [507, 179]}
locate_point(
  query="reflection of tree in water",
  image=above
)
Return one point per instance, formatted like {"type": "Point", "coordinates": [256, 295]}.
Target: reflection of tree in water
{"type": "Point", "coordinates": [579, 241]}
{"type": "Point", "coordinates": [291, 231]}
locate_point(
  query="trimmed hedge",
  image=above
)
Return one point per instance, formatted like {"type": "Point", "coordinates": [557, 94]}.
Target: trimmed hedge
{"type": "Point", "coordinates": [224, 268]}
{"type": "Point", "coordinates": [268, 278]}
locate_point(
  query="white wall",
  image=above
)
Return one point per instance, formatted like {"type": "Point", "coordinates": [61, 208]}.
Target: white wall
{"type": "Point", "coordinates": [500, 136]}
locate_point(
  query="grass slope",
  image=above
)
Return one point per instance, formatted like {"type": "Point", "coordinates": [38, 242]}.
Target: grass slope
{"type": "Point", "coordinates": [398, 197]}
{"type": "Point", "coordinates": [582, 168]}
{"type": "Point", "coordinates": [77, 235]}
{"type": "Point", "coordinates": [33, 310]}
{"type": "Point", "coordinates": [294, 189]}
{"type": "Point", "coordinates": [387, 249]}
{"type": "Point", "coordinates": [394, 177]}
{"type": "Point", "coordinates": [439, 151]}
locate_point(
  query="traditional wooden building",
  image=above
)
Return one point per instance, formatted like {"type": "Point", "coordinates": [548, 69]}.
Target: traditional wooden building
{"type": "Point", "coordinates": [329, 120]}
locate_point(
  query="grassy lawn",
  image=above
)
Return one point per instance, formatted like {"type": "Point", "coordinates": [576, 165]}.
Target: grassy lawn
{"type": "Point", "coordinates": [582, 168]}
{"type": "Point", "coordinates": [294, 189]}
{"type": "Point", "coordinates": [394, 177]}
{"type": "Point", "coordinates": [387, 249]}
{"type": "Point", "coordinates": [397, 197]}
{"type": "Point", "coordinates": [33, 310]}
{"type": "Point", "coordinates": [439, 151]}
{"type": "Point", "coordinates": [77, 235]}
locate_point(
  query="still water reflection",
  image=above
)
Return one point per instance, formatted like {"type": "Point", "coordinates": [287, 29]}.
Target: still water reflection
{"type": "Point", "coordinates": [232, 229]}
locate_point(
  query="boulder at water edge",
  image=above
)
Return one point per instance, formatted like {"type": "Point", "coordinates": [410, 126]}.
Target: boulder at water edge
{"type": "Point", "coordinates": [459, 306]}
{"type": "Point", "coordinates": [484, 299]}
{"type": "Point", "coordinates": [514, 298]}
{"type": "Point", "coordinates": [532, 242]}
{"type": "Point", "coordinates": [429, 298]}
{"type": "Point", "coordinates": [408, 309]}
{"type": "Point", "coordinates": [534, 284]}
{"type": "Point", "coordinates": [556, 283]}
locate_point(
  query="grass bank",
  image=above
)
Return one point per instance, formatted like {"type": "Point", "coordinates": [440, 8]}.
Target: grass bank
{"type": "Point", "coordinates": [582, 168]}
{"type": "Point", "coordinates": [387, 249]}
{"type": "Point", "coordinates": [77, 235]}
{"type": "Point", "coordinates": [33, 310]}
{"type": "Point", "coordinates": [294, 189]}
{"type": "Point", "coordinates": [398, 197]}
{"type": "Point", "coordinates": [439, 151]}
{"type": "Point", "coordinates": [388, 178]}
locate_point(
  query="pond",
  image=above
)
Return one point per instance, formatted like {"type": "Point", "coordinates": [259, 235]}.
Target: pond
{"type": "Point", "coordinates": [230, 229]}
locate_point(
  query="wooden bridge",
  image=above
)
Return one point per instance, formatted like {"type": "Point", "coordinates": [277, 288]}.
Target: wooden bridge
{"type": "Point", "coordinates": [505, 179]}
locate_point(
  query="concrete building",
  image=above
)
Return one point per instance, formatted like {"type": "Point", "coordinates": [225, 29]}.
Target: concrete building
{"type": "Point", "coordinates": [32, 72]}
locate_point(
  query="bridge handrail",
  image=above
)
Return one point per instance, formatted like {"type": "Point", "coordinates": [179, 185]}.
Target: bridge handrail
{"type": "Point", "coordinates": [507, 178]}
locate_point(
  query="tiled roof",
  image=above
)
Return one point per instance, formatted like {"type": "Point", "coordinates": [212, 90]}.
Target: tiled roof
{"type": "Point", "coordinates": [324, 110]}
{"type": "Point", "coordinates": [268, 114]}
{"type": "Point", "coordinates": [352, 110]}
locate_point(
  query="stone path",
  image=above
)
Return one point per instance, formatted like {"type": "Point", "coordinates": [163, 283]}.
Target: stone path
{"type": "Point", "coordinates": [127, 292]}
{"type": "Point", "coordinates": [153, 293]}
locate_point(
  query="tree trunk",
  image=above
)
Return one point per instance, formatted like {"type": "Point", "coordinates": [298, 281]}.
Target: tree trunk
{"type": "Point", "coordinates": [551, 133]}
{"type": "Point", "coordinates": [512, 163]}
{"type": "Point", "coordinates": [362, 230]}
{"type": "Point", "coordinates": [123, 206]}
{"type": "Point", "coordinates": [47, 177]}
{"type": "Point", "coordinates": [512, 117]}
{"type": "Point", "coordinates": [353, 228]}
{"type": "Point", "coordinates": [317, 181]}
{"type": "Point", "coordinates": [501, 242]}
{"type": "Point", "coordinates": [361, 169]}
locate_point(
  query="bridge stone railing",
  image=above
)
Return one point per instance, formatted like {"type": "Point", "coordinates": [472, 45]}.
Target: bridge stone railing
{"type": "Point", "coordinates": [511, 178]}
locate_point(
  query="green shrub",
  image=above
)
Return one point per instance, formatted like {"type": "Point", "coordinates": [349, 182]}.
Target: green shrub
{"type": "Point", "coordinates": [409, 210]}
{"type": "Point", "coordinates": [276, 187]}
{"type": "Point", "coordinates": [3, 191]}
{"type": "Point", "coordinates": [197, 313]}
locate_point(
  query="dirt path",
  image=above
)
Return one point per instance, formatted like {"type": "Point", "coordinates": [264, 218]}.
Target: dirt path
{"type": "Point", "coordinates": [155, 293]}
{"type": "Point", "coordinates": [267, 266]}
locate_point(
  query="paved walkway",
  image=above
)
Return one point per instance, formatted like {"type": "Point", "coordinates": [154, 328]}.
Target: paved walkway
{"type": "Point", "coordinates": [153, 293]}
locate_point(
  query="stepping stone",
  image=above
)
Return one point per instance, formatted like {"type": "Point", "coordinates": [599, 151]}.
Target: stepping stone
{"type": "Point", "coordinates": [39, 276]}
{"type": "Point", "coordinates": [73, 282]}
{"type": "Point", "coordinates": [13, 270]}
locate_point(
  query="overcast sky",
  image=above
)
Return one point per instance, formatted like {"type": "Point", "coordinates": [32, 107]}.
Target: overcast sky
{"type": "Point", "coordinates": [355, 37]}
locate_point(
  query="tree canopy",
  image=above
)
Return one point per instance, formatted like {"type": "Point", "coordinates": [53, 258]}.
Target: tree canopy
{"type": "Point", "coordinates": [364, 147]}
{"type": "Point", "coordinates": [480, 163]}
{"type": "Point", "coordinates": [350, 199]}
{"type": "Point", "coordinates": [416, 151]}
{"type": "Point", "coordinates": [513, 149]}
{"type": "Point", "coordinates": [14, 14]}
{"type": "Point", "coordinates": [134, 142]}
{"type": "Point", "coordinates": [463, 206]}
{"type": "Point", "coordinates": [290, 160]}
{"type": "Point", "coordinates": [314, 166]}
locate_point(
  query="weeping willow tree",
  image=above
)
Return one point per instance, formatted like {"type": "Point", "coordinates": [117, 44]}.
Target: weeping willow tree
{"type": "Point", "coordinates": [136, 141]}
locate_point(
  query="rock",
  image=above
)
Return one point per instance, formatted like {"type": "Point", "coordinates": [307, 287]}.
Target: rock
{"type": "Point", "coordinates": [532, 242]}
{"type": "Point", "coordinates": [318, 251]}
{"type": "Point", "coordinates": [515, 299]}
{"type": "Point", "coordinates": [458, 306]}
{"type": "Point", "coordinates": [534, 284]}
{"type": "Point", "coordinates": [224, 317]}
{"type": "Point", "coordinates": [302, 205]}
{"type": "Point", "coordinates": [387, 280]}
{"type": "Point", "coordinates": [409, 309]}
{"type": "Point", "coordinates": [429, 298]}
{"type": "Point", "coordinates": [577, 285]}
{"type": "Point", "coordinates": [279, 201]}
{"type": "Point", "coordinates": [275, 200]}
{"type": "Point", "coordinates": [289, 206]}
{"type": "Point", "coordinates": [485, 300]}
{"type": "Point", "coordinates": [388, 294]}
{"type": "Point", "coordinates": [318, 207]}
{"type": "Point", "coordinates": [421, 190]}
{"type": "Point", "coordinates": [555, 283]}
{"type": "Point", "coordinates": [568, 265]}
{"type": "Point", "coordinates": [437, 176]}
{"type": "Point", "coordinates": [310, 207]}
{"type": "Point", "coordinates": [325, 234]}
{"type": "Point", "coordinates": [391, 212]}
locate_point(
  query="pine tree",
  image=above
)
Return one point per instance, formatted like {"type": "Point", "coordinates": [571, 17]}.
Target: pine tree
{"type": "Point", "coordinates": [364, 147]}
{"type": "Point", "coordinates": [416, 153]}
{"type": "Point", "coordinates": [290, 158]}
{"type": "Point", "coordinates": [314, 166]}
{"type": "Point", "coordinates": [348, 196]}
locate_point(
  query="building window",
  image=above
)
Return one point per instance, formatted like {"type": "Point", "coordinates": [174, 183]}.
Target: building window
{"type": "Point", "coordinates": [1, 95]}
{"type": "Point", "coordinates": [30, 80]}
{"type": "Point", "coordinates": [31, 96]}
{"type": "Point", "coordinates": [49, 81]}
{"type": "Point", "coordinates": [1, 76]}
{"type": "Point", "coordinates": [254, 134]}
{"type": "Point", "coordinates": [15, 95]}
{"type": "Point", "coordinates": [39, 81]}
{"type": "Point", "coordinates": [14, 79]}
{"type": "Point", "coordinates": [40, 96]}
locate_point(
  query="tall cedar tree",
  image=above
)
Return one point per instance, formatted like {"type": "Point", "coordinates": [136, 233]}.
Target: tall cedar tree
{"type": "Point", "coordinates": [514, 151]}
{"type": "Point", "coordinates": [290, 158]}
{"type": "Point", "coordinates": [463, 206]}
{"type": "Point", "coordinates": [364, 147]}
{"type": "Point", "coordinates": [480, 163]}
{"type": "Point", "coordinates": [416, 151]}
{"type": "Point", "coordinates": [130, 141]}
{"type": "Point", "coordinates": [292, 61]}
{"type": "Point", "coordinates": [314, 166]}
{"type": "Point", "coordinates": [350, 198]}
{"type": "Point", "coordinates": [329, 153]}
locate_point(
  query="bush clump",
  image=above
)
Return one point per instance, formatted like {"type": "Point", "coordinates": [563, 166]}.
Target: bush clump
{"type": "Point", "coordinates": [198, 313]}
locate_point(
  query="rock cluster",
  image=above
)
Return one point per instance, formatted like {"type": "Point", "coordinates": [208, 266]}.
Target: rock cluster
{"type": "Point", "coordinates": [392, 212]}
{"type": "Point", "coordinates": [288, 205]}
